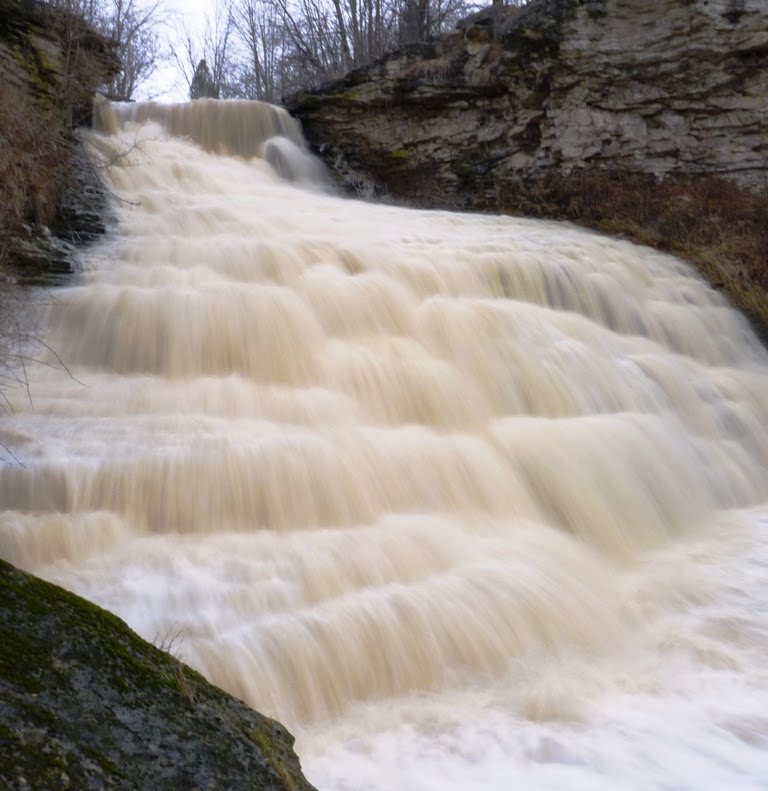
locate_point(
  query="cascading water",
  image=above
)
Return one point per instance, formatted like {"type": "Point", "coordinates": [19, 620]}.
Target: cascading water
{"type": "Point", "coordinates": [467, 502]}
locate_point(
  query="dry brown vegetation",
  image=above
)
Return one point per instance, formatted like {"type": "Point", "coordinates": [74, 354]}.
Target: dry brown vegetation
{"type": "Point", "coordinates": [32, 156]}
{"type": "Point", "coordinates": [48, 80]}
{"type": "Point", "coordinates": [429, 69]}
{"type": "Point", "coordinates": [51, 62]}
{"type": "Point", "coordinates": [32, 153]}
{"type": "Point", "coordinates": [718, 226]}
{"type": "Point", "coordinates": [714, 224]}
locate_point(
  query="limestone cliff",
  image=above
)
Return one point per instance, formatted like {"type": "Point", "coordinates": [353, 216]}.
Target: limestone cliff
{"type": "Point", "coordinates": [86, 704]}
{"type": "Point", "coordinates": [664, 87]}
{"type": "Point", "coordinates": [646, 119]}
{"type": "Point", "coordinates": [50, 67]}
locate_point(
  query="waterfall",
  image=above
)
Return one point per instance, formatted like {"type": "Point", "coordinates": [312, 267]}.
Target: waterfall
{"type": "Point", "coordinates": [465, 501]}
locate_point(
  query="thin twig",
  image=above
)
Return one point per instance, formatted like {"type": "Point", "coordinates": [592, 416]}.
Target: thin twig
{"type": "Point", "coordinates": [95, 172]}
{"type": "Point", "coordinates": [12, 455]}
{"type": "Point", "coordinates": [24, 369]}
{"type": "Point", "coordinates": [60, 361]}
{"type": "Point", "coordinates": [7, 400]}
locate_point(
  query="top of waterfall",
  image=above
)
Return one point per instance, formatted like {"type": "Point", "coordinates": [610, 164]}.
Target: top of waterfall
{"type": "Point", "coordinates": [235, 127]}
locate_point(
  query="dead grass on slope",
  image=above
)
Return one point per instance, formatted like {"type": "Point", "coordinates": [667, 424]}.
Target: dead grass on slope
{"type": "Point", "coordinates": [718, 226]}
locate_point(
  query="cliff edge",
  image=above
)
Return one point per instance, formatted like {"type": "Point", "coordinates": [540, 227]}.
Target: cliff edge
{"type": "Point", "coordinates": [648, 120]}
{"type": "Point", "coordinates": [669, 87]}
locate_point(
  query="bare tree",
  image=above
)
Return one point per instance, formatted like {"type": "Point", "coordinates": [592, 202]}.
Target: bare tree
{"type": "Point", "coordinates": [261, 39]}
{"type": "Point", "coordinates": [419, 20]}
{"type": "Point", "coordinates": [313, 50]}
{"type": "Point", "coordinates": [212, 44]}
{"type": "Point", "coordinates": [134, 28]}
{"type": "Point", "coordinates": [315, 45]}
{"type": "Point", "coordinates": [263, 49]}
{"type": "Point", "coordinates": [296, 44]}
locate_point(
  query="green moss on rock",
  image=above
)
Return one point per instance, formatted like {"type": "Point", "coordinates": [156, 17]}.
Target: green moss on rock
{"type": "Point", "coordinates": [87, 704]}
{"type": "Point", "coordinates": [51, 63]}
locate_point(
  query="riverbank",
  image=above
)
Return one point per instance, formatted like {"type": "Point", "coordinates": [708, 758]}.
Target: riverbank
{"type": "Point", "coordinates": [715, 225]}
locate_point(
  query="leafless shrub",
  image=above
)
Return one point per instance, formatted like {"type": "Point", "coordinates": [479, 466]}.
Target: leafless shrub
{"type": "Point", "coordinates": [36, 145]}
{"type": "Point", "coordinates": [132, 29]}
{"type": "Point", "coordinates": [434, 68]}
{"type": "Point", "coordinates": [31, 157]}
{"type": "Point", "coordinates": [265, 49]}
{"type": "Point", "coordinates": [32, 151]}
{"type": "Point", "coordinates": [170, 643]}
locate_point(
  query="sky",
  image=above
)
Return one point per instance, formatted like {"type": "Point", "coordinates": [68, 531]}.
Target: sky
{"type": "Point", "coordinates": [166, 84]}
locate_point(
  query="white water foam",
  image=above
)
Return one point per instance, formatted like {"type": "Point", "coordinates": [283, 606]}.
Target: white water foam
{"type": "Point", "coordinates": [465, 501]}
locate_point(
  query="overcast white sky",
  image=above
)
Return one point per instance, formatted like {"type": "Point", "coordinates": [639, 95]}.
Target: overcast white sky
{"type": "Point", "coordinates": [167, 85]}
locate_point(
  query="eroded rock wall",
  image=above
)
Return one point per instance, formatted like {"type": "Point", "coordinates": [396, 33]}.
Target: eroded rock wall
{"type": "Point", "coordinates": [668, 87]}
{"type": "Point", "coordinates": [50, 66]}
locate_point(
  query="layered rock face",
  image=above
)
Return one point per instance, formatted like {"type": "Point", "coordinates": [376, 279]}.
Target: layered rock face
{"type": "Point", "coordinates": [50, 66]}
{"type": "Point", "coordinates": [668, 87]}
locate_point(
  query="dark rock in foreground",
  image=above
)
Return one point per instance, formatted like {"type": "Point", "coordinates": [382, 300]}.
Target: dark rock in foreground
{"type": "Point", "coordinates": [87, 704]}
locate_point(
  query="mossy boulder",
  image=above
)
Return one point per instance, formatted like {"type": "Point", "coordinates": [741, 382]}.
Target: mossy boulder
{"type": "Point", "coordinates": [87, 704]}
